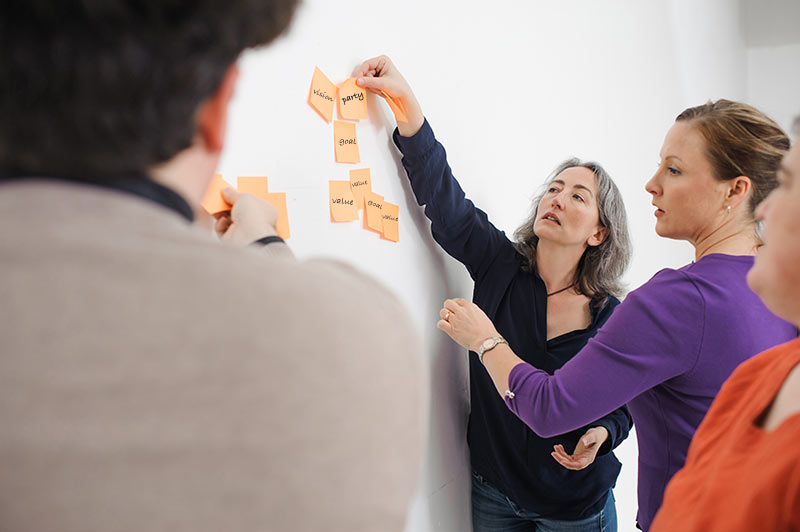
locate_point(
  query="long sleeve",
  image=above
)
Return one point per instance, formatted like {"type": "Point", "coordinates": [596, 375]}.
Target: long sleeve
{"type": "Point", "coordinates": [618, 424]}
{"type": "Point", "coordinates": [463, 230]}
{"type": "Point", "coordinates": [654, 335]}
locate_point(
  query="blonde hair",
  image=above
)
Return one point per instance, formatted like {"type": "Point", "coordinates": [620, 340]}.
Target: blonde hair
{"type": "Point", "coordinates": [740, 141]}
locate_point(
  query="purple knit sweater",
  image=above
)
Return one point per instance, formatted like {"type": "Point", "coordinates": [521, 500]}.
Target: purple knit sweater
{"type": "Point", "coordinates": [664, 352]}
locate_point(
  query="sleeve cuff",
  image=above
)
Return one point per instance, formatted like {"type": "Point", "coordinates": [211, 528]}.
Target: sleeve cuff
{"type": "Point", "coordinates": [267, 240]}
{"type": "Point", "coordinates": [418, 144]}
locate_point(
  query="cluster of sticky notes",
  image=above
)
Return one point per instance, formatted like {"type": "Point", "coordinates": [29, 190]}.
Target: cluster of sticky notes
{"type": "Point", "coordinates": [347, 197]}
{"type": "Point", "coordinates": [214, 203]}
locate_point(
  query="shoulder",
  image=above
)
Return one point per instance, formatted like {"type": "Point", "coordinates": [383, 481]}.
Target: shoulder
{"type": "Point", "coordinates": [668, 288]}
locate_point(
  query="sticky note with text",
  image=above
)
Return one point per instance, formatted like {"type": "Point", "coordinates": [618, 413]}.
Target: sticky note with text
{"type": "Point", "coordinates": [391, 226]}
{"type": "Point", "coordinates": [360, 182]}
{"type": "Point", "coordinates": [372, 212]}
{"type": "Point", "coordinates": [278, 199]}
{"type": "Point", "coordinates": [345, 142]}
{"type": "Point", "coordinates": [396, 105]}
{"type": "Point", "coordinates": [212, 200]}
{"type": "Point", "coordinates": [257, 186]}
{"type": "Point", "coordinates": [352, 100]}
{"type": "Point", "coordinates": [342, 203]}
{"type": "Point", "coordinates": [321, 95]}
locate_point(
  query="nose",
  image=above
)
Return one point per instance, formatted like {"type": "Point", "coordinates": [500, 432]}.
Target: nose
{"type": "Point", "coordinates": [558, 201]}
{"type": "Point", "coordinates": [652, 185]}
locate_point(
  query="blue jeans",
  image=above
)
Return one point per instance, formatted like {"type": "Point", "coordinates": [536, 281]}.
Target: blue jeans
{"type": "Point", "coordinates": [494, 512]}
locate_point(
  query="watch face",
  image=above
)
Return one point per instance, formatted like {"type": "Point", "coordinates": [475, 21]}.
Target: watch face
{"type": "Point", "coordinates": [489, 342]}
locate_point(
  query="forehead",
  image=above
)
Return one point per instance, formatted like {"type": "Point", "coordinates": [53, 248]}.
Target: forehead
{"type": "Point", "coordinates": [685, 142]}
{"type": "Point", "coordinates": [578, 175]}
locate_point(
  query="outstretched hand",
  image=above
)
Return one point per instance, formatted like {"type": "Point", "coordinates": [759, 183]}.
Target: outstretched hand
{"type": "Point", "coordinates": [466, 323]}
{"type": "Point", "coordinates": [379, 74]}
{"type": "Point", "coordinates": [585, 452]}
{"type": "Point", "coordinates": [249, 219]}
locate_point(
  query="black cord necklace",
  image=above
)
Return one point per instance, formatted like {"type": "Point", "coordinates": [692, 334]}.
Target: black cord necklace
{"type": "Point", "coordinates": [559, 291]}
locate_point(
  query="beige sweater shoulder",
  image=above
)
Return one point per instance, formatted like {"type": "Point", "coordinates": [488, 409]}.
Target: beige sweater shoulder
{"type": "Point", "coordinates": [154, 379]}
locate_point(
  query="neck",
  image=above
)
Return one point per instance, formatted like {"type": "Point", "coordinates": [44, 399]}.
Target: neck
{"type": "Point", "coordinates": [188, 174]}
{"type": "Point", "coordinates": [730, 238]}
{"type": "Point", "coordinates": [557, 264]}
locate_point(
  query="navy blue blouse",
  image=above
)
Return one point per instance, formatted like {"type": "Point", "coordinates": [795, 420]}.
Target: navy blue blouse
{"type": "Point", "coordinates": [503, 449]}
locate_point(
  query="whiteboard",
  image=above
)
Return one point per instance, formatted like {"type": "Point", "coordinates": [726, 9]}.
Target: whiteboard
{"type": "Point", "coordinates": [511, 88]}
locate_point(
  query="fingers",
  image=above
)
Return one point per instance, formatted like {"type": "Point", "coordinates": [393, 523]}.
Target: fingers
{"type": "Point", "coordinates": [230, 195]}
{"type": "Point", "coordinates": [222, 224]}
{"type": "Point", "coordinates": [451, 304]}
{"type": "Point", "coordinates": [373, 83]}
{"type": "Point", "coordinates": [446, 327]}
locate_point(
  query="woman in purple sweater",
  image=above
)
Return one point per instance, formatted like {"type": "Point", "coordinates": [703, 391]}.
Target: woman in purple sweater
{"type": "Point", "coordinates": [669, 346]}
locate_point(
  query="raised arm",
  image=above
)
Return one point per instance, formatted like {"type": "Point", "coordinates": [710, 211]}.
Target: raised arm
{"type": "Point", "coordinates": [463, 230]}
{"type": "Point", "coordinates": [654, 335]}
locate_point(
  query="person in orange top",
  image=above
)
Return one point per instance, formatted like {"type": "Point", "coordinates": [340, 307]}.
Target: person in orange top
{"type": "Point", "coordinates": [743, 467]}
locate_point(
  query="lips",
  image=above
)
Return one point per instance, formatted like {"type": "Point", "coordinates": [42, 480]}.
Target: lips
{"type": "Point", "coordinates": [551, 217]}
{"type": "Point", "coordinates": [658, 212]}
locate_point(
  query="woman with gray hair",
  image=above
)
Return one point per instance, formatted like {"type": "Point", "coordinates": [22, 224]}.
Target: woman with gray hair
{"type": "Point", "coordinates": [548, 293]}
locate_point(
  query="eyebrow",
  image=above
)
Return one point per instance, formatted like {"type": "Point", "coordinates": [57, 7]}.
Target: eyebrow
{"type": "Point", "coordinates": [584, 187]}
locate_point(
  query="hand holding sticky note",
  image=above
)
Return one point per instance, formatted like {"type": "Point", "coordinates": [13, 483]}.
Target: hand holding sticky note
{"type": "Point", "coordinates": [352, 101]}
{"type": "Point", "coordinates": [212, 200]}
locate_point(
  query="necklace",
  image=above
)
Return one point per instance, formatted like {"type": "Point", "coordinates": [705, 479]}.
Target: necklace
{"type": "Point", "coordinates": [559, 291]}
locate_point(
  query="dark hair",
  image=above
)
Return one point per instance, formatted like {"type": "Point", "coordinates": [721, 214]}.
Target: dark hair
{"type": "Point", "coordinates": [601, 267]}
{"type": "Point", "coordinates": [740, 141]}
{"type": "Point", "coordinates": [110, 87]}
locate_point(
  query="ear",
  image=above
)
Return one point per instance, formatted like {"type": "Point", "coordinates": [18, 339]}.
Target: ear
{"type": "Point", "coordinates": [738, 190]}
{"type": "Point", "coordinates": [212, 117]}
{"type": "Point", "coordinates": [598, 237]}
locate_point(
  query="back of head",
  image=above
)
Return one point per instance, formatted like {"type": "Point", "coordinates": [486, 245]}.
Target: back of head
{"type": "Point", "coordinates": [111, 87]}
{"type": "Point", "coordinates": [740, 141]}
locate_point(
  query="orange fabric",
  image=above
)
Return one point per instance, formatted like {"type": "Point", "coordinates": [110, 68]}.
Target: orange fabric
{"type": "Point", "coordinates": [738, 476]}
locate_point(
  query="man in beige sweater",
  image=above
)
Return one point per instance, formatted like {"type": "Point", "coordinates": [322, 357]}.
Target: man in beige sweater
{"type": "Point", "coordinates": [153, 378]}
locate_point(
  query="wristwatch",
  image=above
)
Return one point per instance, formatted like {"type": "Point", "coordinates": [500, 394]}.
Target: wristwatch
{"type": "Point", "coordinates": [489, 344]}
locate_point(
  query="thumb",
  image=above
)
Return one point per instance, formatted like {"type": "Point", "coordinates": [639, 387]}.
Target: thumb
{"type": "Point", "coordinates": [372, 83]}
{"type": "Point", "coordinates": [230, 195]}
{"type": "Point", "coordinates": [588, 440]}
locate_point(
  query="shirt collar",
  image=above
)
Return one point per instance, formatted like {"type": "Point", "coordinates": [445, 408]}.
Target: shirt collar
{"type": "Point", "coordinates": [132, 184]}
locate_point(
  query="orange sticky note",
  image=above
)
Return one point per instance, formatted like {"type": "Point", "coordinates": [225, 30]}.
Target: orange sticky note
{"type": "Point", "coordinates": [257, 186]}
{"type": "Point", "coordinates": [397, 107]}
{"type": "Point", "coordinates": [352, 100]}
{"type": "Point", "coordinates": [345, 143]}
{"type": "Point", "coordinates": [360, 182]}
{"type": "Point", "coordinates": [391, 226]}
{"type": "Point", "coordinates": [278, 199]}
{"type": "Point", "coordinates": [372, 212]}
{"type": "Point", "coordinates": [321, 95]}
{"type": "Point", "coordinates": [212, 201]}
{"type": "Point", "coordinates": [342, 202]}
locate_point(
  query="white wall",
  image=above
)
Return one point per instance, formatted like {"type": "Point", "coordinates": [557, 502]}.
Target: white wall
{"type": "Point", "coordinates": [511, 88]}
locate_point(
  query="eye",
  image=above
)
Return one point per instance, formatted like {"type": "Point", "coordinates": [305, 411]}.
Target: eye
{"type": "Point", "coordinates": [579, 198]}
{"type": "Point", "coordinates": [552, 189]}
{"type": "Point", "coordinates": [673, 171]}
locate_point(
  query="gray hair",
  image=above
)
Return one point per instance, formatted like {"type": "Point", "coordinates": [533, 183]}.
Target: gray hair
{"type": "Point", "coordinates": [601, 267]}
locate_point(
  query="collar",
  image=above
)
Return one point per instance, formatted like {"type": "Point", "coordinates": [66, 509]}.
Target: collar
{"type": "Point", "coordinates": [131, 184]}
